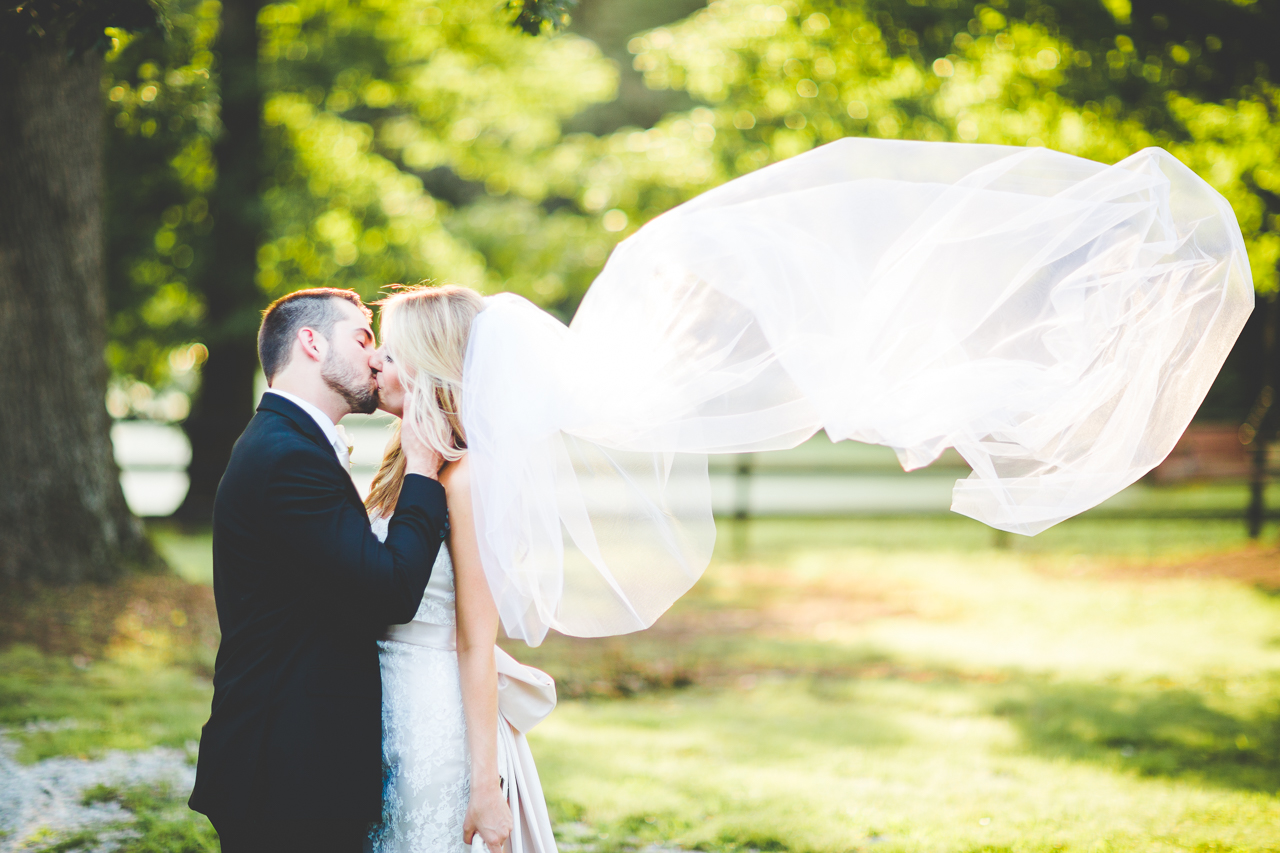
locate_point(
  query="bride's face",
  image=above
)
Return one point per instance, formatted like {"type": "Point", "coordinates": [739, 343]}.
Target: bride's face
{"type": "Point", "coordinates": [390, 391]}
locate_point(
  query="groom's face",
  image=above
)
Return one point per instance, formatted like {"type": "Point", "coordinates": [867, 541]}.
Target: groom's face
{"type": "Point", "coordinates": [351, 365]}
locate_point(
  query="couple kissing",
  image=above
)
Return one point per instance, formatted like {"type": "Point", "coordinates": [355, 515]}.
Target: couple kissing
{"type": "Point", "coordinates": [356, 690]}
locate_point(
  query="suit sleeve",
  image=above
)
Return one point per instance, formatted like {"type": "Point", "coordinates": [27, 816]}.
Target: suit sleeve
{"type": "Point", "coordinates": [309, 505]}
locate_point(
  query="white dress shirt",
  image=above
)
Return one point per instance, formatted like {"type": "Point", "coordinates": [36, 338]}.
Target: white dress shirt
{"type": "Point", "coordinates": [322, 420]}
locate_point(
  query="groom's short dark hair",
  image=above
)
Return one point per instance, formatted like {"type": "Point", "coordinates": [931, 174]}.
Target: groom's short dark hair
{"type": "Point", "coordinates": [316, 308]}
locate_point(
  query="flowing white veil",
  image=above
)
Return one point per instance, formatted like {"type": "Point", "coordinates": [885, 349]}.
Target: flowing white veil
{"type": "Point", "coordinates": [1058, 321]}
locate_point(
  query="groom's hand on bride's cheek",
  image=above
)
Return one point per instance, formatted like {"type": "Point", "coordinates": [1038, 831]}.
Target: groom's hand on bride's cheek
{"type": "Point", "coordinates": [419, 457]}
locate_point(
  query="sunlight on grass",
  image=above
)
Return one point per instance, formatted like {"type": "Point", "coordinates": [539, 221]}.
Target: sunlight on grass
{"type": "Point", "coordinates": [806, 765]}
{"type": "Point", "coordinates": [106, 705]}
{"type": "Point", "coordinates": [1041, 615]}
{"type": "Point", "coordinates": [190, 555]}
{"type": "Point", "coordinates": [909, 685]}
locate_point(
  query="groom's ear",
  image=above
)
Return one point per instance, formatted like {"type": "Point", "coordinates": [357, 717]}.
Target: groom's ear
{"type": "Point", "coordinates": [312, 344]}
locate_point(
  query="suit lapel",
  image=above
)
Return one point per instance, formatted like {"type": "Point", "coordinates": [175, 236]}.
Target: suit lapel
{"type": "Point", "coordinates": [308, 426]}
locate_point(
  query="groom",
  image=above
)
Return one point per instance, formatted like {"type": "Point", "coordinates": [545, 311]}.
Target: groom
{"type": "Point", "coordinates": [291, 758]}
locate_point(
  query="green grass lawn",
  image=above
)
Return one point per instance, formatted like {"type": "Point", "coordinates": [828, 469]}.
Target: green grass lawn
{"type": "Point", "coordinates": [190, 554]}
{"type": "Point", "coordinates": [883, 684]}
{"type": "Point", "coordinates": [905, 685]}
{"type": "Point", "coordinates": [104, 705]}
{"type": "Point", "coordinates": [838, 764]}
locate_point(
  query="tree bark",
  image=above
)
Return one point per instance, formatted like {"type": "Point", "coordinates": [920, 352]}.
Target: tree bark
{"type": "Point", "coordinates": [1260, 427]}
{"type": "Point", "coordinates": [63, 517]}
{"type": "Point", "coordinates": [229, 283]}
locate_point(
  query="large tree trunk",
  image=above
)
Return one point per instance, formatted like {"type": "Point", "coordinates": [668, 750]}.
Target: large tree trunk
{"type": "Point", "coordinates": [232, 297]}
{"type": "Point", "coordinates": [63, 515]}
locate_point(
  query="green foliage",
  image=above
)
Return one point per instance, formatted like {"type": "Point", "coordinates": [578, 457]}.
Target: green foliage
{"type": "Point", "coordinates": [77, 25]}
{"type": "Point", "coordinates": [407, 140]}
{"type": "Point", "coordinates": [369, 107]}
{"type": "Point", "coordinates": [1236, 147]}
{"type": "Point", "coordinates": [779, 79]}
{"type": "Point", "coordinates": [425, 139]}
{"type": "Point", "coordinates": [539, 16]}
{"type": "Point", "coordinates": [162, 105]}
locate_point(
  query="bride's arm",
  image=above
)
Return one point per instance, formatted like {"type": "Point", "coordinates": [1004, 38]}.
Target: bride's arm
{"type": "Point", "coordinates": [487, 813]}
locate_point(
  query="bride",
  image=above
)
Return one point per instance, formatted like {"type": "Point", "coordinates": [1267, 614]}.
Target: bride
{"type": "Point", "coordinates": [456, 764]}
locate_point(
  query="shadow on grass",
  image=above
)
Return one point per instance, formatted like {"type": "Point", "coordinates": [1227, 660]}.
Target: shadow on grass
{"type": "Point", "coordinates": [1153, 730]}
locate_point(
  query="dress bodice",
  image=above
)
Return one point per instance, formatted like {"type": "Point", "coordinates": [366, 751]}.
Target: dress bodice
{"type": "Point", "coordinates": [437, 605]}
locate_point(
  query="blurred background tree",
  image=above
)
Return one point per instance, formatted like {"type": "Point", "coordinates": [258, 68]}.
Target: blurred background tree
{"type": "Point", "coordinates": [396, 143]}
{"type": "Point", "coordinates": [63, 515]}
{"type": "Point", "coordinates": [190, 205]}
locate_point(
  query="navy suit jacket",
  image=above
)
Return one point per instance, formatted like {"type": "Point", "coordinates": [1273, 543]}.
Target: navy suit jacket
{"type": "Point", "coordinates": [304, 590]}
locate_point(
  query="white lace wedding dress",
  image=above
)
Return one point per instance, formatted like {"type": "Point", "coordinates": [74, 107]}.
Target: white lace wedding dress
{"type": "Point", "coordinates": [426, 765]}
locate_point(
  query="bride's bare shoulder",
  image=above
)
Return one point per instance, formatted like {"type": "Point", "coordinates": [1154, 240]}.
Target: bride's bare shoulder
{"type": "Point", "coordinates": [456, 476]}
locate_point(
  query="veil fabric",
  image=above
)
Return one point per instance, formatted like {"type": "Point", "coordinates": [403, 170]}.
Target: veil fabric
{"type": "Point", "coordinates": [1056, 320]}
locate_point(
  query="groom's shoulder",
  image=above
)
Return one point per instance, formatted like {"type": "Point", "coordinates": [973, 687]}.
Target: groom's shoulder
{"type": "Point", "coordinates": [271, 450]}
{"type": "Point", "coordinates": [271, 436]}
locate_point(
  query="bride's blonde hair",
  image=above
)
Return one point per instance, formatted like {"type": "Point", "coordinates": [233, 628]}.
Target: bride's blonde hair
{"type": "Point", "coordinates": [425, 330]}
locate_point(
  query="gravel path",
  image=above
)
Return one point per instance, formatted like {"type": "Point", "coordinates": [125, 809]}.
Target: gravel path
{"type": "Point", "coordinates": [46, 795]}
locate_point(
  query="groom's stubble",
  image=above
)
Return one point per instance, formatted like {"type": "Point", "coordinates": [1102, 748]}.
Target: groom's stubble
{"type": "Point", "coordinates": [356, 385]}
